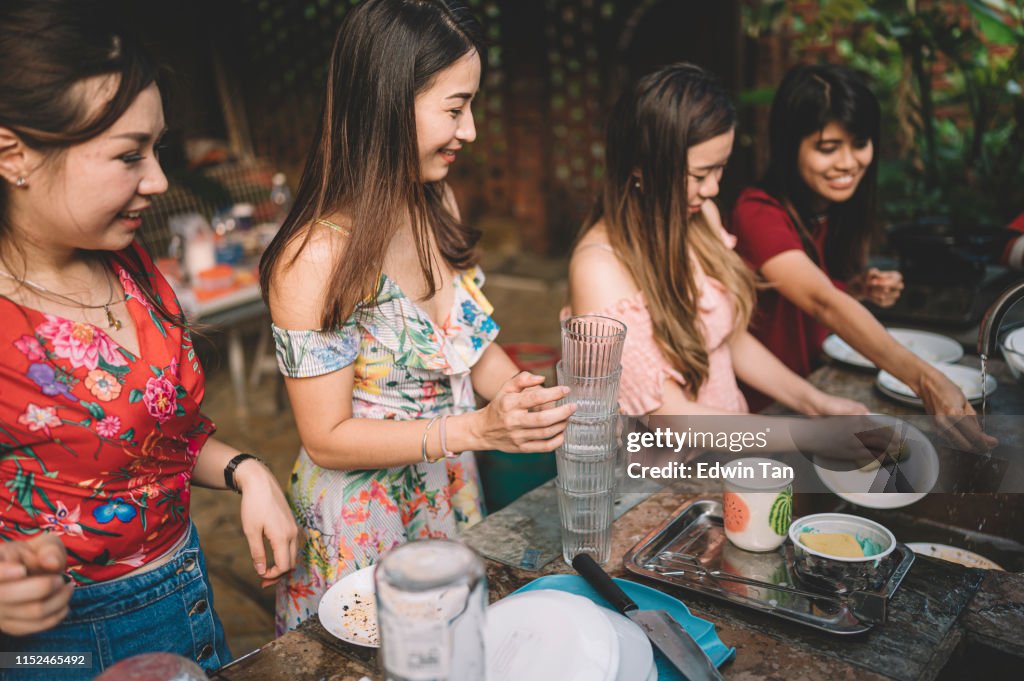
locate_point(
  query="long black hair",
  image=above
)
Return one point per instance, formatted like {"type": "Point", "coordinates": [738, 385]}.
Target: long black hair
{"type": "Point", "coordinates": [364, 161]}
{"type": "Point", "coordinates": [808, 99]}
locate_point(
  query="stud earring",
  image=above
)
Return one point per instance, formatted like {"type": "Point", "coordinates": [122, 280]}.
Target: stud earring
{"type": "Point", "coordinates": [637, 184]}
{"type": "Point", "coordinates": [21, 181]}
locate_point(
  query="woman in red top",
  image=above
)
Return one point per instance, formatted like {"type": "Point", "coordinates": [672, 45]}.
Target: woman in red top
{"type": "Point", "coordinates": [806, 231]}
{"type": "Point", "coordinates": [101, 434]}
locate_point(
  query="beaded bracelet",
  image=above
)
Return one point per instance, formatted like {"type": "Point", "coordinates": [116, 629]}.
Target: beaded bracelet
{"type": "Point", "coordinates": [423, 446]}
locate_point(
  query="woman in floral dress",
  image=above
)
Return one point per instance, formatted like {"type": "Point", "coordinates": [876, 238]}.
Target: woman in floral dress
{"type": "Point", "coordinates": [382, 331]}
{"type": "Point", "coordinates": [101, 433]}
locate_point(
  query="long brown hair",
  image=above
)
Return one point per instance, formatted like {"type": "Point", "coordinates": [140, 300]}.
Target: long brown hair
{"type": "Point", "coordinates": [364, 161]}
{"type": "Point", "coordinates": [46, 48]}
{"type": "Point", "coordinates": [650, 132]}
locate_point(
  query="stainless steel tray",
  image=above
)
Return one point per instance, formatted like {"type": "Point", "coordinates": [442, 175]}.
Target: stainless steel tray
{"type": "Point", "coordinates": [690, 551]}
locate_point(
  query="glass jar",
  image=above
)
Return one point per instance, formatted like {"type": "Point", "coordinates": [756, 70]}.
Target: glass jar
{"type": "Point", "coordinates": [431, 599]}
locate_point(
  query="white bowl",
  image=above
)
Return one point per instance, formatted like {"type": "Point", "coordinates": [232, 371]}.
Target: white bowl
{"type": "Point", "coordinates": [1013, 352]}
{"type": "Point", "coordinates": [921, 469]}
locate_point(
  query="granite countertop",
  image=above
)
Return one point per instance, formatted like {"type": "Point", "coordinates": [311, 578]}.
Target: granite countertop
{"type": "Point", "coordinates": [945, 621]}
{"type": "Point", "coordinates": [942, 614]}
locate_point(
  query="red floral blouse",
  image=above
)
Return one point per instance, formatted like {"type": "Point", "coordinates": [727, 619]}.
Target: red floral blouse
{"type": "Point", "coordinates": [97, 445]}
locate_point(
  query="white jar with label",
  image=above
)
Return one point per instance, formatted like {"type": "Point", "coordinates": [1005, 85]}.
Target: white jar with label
{"type": "Point", "coordinates": [757, 505]}
{"type": "Point", "coordinates": [431, 599]}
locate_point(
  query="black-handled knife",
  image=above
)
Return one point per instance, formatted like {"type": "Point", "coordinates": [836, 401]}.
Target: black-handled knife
{"type": "Point", "coordinates": [674, 642]}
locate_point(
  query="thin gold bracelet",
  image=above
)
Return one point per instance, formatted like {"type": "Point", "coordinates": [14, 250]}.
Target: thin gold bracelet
{"type": "Point", "coordinates": [423, 446]}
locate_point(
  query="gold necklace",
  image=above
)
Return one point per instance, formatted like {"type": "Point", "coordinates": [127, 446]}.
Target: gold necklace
{"type": "Point", "coordinates": [112, 321]}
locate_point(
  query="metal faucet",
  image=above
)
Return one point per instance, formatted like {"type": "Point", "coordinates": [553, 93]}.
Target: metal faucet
{"type": "Point", "coordinates": [988, 334]}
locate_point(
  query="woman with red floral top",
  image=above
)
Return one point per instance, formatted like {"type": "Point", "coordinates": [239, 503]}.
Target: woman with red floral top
{"type": "Point", "coordinates": [101, 433]}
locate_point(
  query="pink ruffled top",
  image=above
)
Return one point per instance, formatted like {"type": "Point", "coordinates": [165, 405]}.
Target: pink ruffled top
{"type": "Point", "coordinates": [645, 368]}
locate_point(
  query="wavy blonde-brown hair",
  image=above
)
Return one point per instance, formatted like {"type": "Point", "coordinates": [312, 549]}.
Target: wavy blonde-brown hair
{"type": "Point", "coordinates": [650, 131]}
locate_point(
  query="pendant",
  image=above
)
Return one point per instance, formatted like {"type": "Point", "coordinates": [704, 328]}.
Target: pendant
{"type": "Point", "coordinates": [112, 321]}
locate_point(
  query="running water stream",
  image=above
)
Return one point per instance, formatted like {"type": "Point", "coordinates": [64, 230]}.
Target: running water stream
{"type": "Point", "coordinates": [984, 389]}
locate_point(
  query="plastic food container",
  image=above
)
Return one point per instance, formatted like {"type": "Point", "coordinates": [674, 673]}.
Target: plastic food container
{"type": "Point", "coordinates": [841, 572]}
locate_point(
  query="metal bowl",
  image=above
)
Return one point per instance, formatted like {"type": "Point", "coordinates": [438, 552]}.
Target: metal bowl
{"type": "Point", "coordinates": [841, 573]}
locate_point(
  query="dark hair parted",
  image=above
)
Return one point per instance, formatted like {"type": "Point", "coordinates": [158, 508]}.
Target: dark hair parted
{"type": "Point", "coordinates": [650, 131]}
{"type": "Point", "coordinates": [47, 49]}
{"type": "Point", "coordinates": [364, 160]}
{"type": "Point", "coordinates": [808, 99]}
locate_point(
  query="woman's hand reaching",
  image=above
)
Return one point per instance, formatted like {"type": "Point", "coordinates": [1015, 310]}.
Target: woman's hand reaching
{"type": "Point", "coordinates": [954, 415]}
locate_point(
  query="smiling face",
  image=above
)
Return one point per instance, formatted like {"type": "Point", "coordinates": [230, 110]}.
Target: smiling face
{"type": "Point", "coordinates": [444, 119]}
{"type": "Point", "coordinates": [705, 163]}
{"type": "Point", "coordinates": [832, 163]}
{"type": "Point", "coordinates": [90, 197]}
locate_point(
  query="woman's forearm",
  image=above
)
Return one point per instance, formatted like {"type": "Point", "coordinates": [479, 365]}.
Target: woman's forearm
{"type": "Point", "coordinates": [756, 366]}
{"type": "Point", "coordinates": [210, 464]}
{"type": "Point", "coordinates": [363, 443]}
{"type": "Point", "coordinates": [852, 322]}
{"type": "Point", "coordinates": [214, 458]}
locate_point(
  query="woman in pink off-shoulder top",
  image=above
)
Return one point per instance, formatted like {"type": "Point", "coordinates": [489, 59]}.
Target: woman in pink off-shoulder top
{"type": "Point", "coordinates": [654, 255]}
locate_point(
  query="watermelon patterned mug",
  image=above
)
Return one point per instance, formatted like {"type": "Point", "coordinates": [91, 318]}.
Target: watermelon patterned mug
{"type": "Point", "coordinates": [757, 506]}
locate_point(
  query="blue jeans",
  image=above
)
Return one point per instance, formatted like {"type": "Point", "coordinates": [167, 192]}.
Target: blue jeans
{"type": "Point", "coordinates": [168, 609]}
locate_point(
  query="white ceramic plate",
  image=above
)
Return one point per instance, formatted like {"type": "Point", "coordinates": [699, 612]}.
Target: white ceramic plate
{"type": "Point", "coordinates": [931, 347]}
{"type": "Point", "coordinates": [349, 609]}
{"type": "Point", "coordinates": [543, 637]}
{"type": "Point", "coordinates": [636, 657]}
{"type": "Point", "coordinates": [920, 468]}
{"type": "Point", "coordinates": [954, 555]}
{"type": "Point", "coordinates": [635, 653]}
{"type": "Point", "coordinates": [968, 379]}
{"type": "Point", "coordinates": [841, 351]}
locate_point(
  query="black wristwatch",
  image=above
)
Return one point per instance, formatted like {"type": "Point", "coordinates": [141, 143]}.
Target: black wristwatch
{"type": "Point", "coordinates": [229, 470]}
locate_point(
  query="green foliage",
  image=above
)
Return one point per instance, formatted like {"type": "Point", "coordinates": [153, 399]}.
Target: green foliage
{"type": "Point", "coordinates": [949, 74]}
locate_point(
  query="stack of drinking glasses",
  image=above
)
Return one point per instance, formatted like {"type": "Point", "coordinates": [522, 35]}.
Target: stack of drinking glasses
{"type": "Point", "coordinates": [590, 367]}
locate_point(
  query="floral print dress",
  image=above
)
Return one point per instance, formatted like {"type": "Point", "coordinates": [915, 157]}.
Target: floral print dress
{"type": "Point", "coordinates": [406, 367]}
{"type": "Point", "coordinates": [98, 445]}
